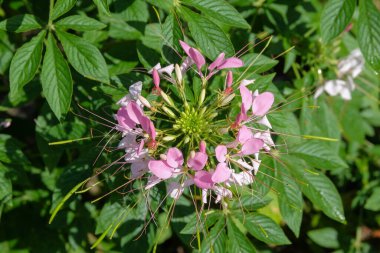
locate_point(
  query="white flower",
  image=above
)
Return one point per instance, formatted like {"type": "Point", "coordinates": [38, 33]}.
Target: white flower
{"type": "Point", "coordinates": [352, 65]}
{"type": "Point", "coordinates": [337, 87]}
{"type": "Point", "coordinates": [348, 68]}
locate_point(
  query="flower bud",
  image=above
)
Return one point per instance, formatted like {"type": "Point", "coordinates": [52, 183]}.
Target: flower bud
{"type": "Point", "coordinates": [163, 156]}
{"type": "Point", "coordinates": [187, 139]}
{"type": "Point", "coordinates": [167, 99]}
{"type": "Point", "coordinates": [226, 100]}
{"type": "Point", "coordinates": [169, 138]}
{"type": "Point", "coordinates": [202, 146]}
{"type": "Point", "coordinates": [144, 101]}
{"type": "Point", "coordinates": [169, 112]}
{"type": "Point", "coordinates": [156, 78]}
{"type": "Point", "coordinates": [178, 73]}
{"type": "Point", "coordinates": [192, 154]}
{"type": "Point", "coordinates": [229, 79]}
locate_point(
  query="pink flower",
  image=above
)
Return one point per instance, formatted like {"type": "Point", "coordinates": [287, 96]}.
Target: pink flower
{"type": "Point", "coordinates": [198, 160]}
{"type": "Point", "coordinates": [262, 103]}
{"type": "Point", "coordinates": [203, 180]}
{"type": "Point", "coordinates": [168, 168]}
{"type": "Point", "coordinates": [221, 63]}
{"type": "Point", "coordinates": [250, 145]}
{"type": "Point", "coordinates": [128, 117]}
{"type": "Point", "coordinates": [222, 172]}
{"type": "Point", "coordinates": [194, 55]}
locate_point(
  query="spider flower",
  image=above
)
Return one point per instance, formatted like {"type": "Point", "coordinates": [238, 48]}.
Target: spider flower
{"type": "Point", "coordinates": [180, 136]}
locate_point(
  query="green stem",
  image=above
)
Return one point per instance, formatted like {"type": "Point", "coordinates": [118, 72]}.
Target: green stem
{"type": "Point", "coordinates": [51, 13]}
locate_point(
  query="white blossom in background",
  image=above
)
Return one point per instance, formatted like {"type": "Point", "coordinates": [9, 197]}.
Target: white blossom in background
{"type": "Point", "coordinates": [348, 68]}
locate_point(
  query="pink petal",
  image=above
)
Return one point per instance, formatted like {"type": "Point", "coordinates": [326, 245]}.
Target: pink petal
{"type": "Point", "coordinates": [244, 134]}
{"type": "Point", "coordinates": [185, 47]}
{"type": "Point", "coordinates": [262, 103]}
{"type": "Point", "coordinates": [202, 179]}
{"type": "Point", "coordinates": [252, 146]}
{"type": "Point", "coordinates": [174, 157]}
{"type": "Point", "coordinates": [232, 62]}
{"type": "Point", "coordinates": [156, 78]}
{"type": "Point", "coordinates": [202, 146]}
{"type": "Point", "coordinates": [148, 127]}
{"type": "Point", "coordinates": [160, 169]}
{"type": "Point", "coordinates": [221, 152]}
{"type": "Point", "coordinates": [240, 117]}
{"type": "Point", "coordinates": [198, 162]}
{"type": "Point", "coordinates": [246, 97]}
{"type": "Point", "coordinates": [197, 57]}
{"type": "Point", "coordinates": [123, 119]}
{"type": "Point", "coordinates": [141, 146]}
{"type": "Point", "coordinates": [134, 112]}
{"type": "Point", "coordinates": [217, 62]}
{"type": "Point", "coordinates": [221, 174]}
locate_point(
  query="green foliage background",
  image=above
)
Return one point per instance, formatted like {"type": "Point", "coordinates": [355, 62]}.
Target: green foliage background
{"type": "Point", "coordinates": [61, 60]}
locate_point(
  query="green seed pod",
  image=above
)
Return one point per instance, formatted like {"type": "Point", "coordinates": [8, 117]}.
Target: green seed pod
{"type": "Point", "coordinates": [202, 96]}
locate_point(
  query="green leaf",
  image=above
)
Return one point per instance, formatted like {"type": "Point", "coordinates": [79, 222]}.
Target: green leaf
{"type": "Point", "coordinates": [318, 188]}
{"type": "Point", "coordinates": [220, 10]}
{"type": "Point", "coordinates": [318, 154]}
{"type": "Point", "coordinates": [325, 237]}
{"type": "Point", "coordinates": [208, 36]}
{"type": "Point", "coordinates": [373, 202]}
{"type": "Point", "coordinates": [335, 17]}
{"type": "Point", "coordinates": [134, 10]}
{"type": "Point", "coordinates": [61, 7]}
{"type": "Point", "coordinates": [249, 202]}
{"type": "Point", "coordinates": [290, 199]}
{"type": "Point", "coordinates": [237, 241]}
{"type": "Point", "coordinates": [369, 38]}
{"type": "Point", "coordinates": [84, 57]}
{"type": "Point", "coordinates": [20, 23]}
{"type": "Point", "coordinates": [264, 229]}
{"type": "Point", "coordinates": [102, 6]}
{"type": "Point", "coordinates": [10, 151]}
{"type": "Point", "coordinates": [5, 187]}
{"type": "Point", "coordinates": [254, 64]}
{"type": "Point", "coordinates": [313, 122]}
{"type": "Point", "coordinates": [215, 240]}
{"type": "Point", "coordinates": [57, 84]}
{"type": "Point", "coordinates": [171, 33]}
{"type": "Point", "coordinates": [6, 52]}
{"type": "Point", "coordinates": [25, 63]}
{"type": "Point", "coordinates": [80, 23]}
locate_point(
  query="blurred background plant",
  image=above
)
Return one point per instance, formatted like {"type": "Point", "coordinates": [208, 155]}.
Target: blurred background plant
{"type": "Point", "coordinates": [101, 47]}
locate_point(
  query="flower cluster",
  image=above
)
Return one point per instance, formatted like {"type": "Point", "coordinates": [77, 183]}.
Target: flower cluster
{"type": "Point", "coordinates": [348, 69]}
{"type": "Point", "coordinates": [190, 141]}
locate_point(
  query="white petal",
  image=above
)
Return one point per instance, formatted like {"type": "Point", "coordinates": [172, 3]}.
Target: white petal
{"type": "Point", "coordinates": [333, 87]}
{"type": "Point", "coordinates": [264, 121]}
{"type": "Point", "coordinates": [246, 82]}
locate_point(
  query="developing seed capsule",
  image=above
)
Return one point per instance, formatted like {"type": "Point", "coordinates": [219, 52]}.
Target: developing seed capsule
{"type": "Point", "coordinates": [169, 112]}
